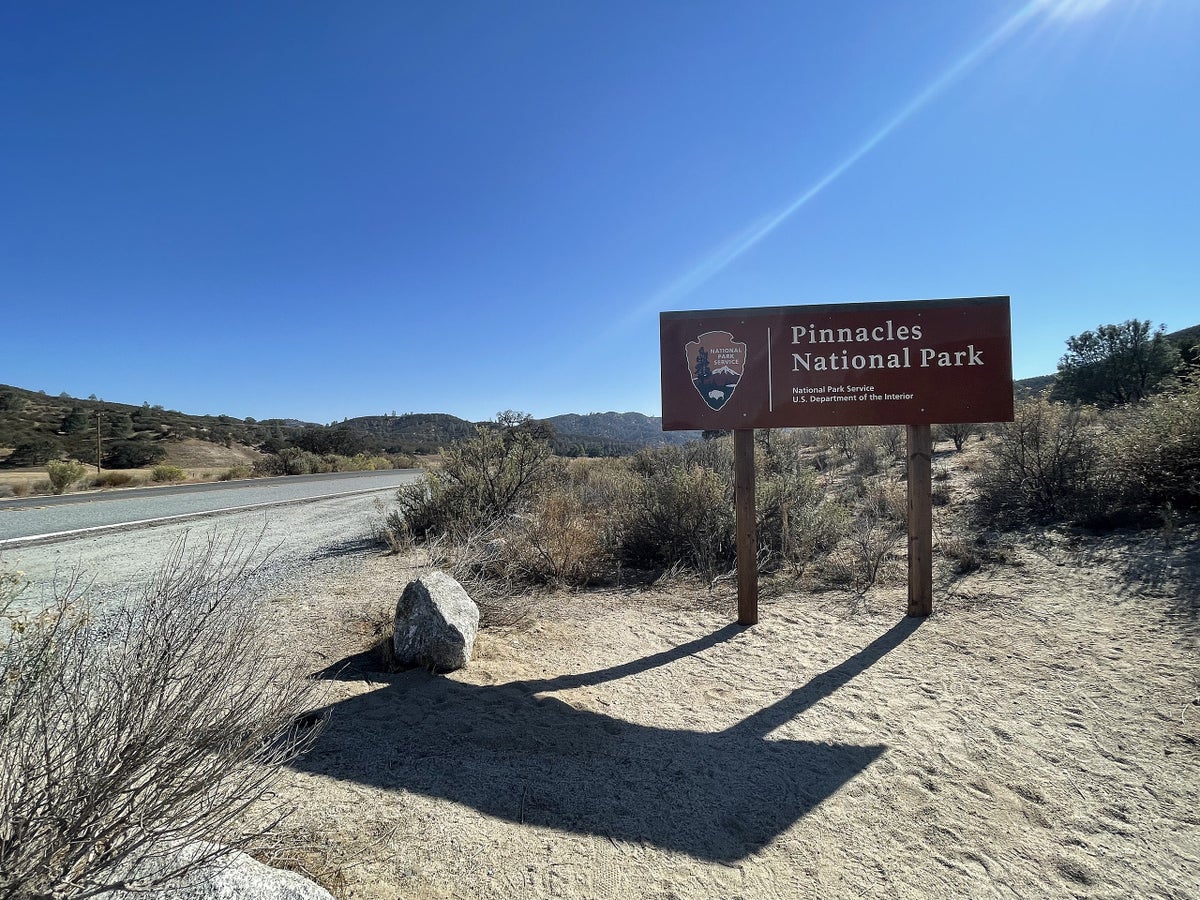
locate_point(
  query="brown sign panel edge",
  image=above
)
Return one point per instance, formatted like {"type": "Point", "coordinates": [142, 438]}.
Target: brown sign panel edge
{"type": "Point", "coordinates": [902, 362]}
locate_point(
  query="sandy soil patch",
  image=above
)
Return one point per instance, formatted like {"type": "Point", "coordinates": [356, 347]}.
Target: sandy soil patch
{"type": "Point", "coordinates": [1036, 737]}
{"type": "Point", "coordinates": [195, 454]}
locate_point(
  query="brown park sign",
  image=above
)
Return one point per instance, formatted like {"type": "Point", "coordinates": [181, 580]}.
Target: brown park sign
{"type": "Point", "coordinates": [906, 363]}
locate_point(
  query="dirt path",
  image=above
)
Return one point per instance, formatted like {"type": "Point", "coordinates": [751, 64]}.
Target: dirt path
{"type": "Point", "coordinates": [1036, 737]}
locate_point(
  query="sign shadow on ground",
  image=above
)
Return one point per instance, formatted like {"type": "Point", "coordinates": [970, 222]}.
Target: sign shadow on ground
{"type": "Point", "coordinates": [509, 752]}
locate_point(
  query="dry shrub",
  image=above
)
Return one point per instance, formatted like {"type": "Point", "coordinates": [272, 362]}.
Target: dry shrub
{"type": "Point", "coordinates": [166, 473]}
{"type": "Point", "coordinates": [872, 538]}
{"type": "Point", "coordinates": [377, 623]}
{"type": "Point", "coordinates": [135, 728]}
{"type": "Point", "coordinates": [561, 541]}
{"type": "Point", "coordinates": [961, 554]}
{"type": "Point", "coordinates": [797, 521]}
{"type": "Point", "coordinates": [875, 529]}
{"type": "Point", "coordinates": [112, 479]}
{"type": "Point", "coordinates": [320, 857]}
{"type": "Point", "coordinates": [867, 453]}
{"type": "Point", "coordinates": [940, 494]}
{"type": "Point", "coordinates": [63, 474]}
{"type": "Point", "coordinates": [894, 440]}
{"type": "Point", "coordinates": [806, 437]}
{"type": "Point", "coordinates": [682, 512]}
{"type": "Point", "coordinates": [590, 521]}
{"type": "Point", "coordinates": [1058, 462]}
{"type": "Point", "coordinates": [1156, 448]}
{"type": "Point", "coordinates": [1045, 464]}
{"type": "Point", "coordinates": [480, 564]}
{"type": "Point", "coordinates": [973, 464]}
{"type": "Point", "coordinates": [481, 482]}
{"type": "Point", "coordinates": [841, 438]}
{"type": "Point", "coordinates": [958, 432]}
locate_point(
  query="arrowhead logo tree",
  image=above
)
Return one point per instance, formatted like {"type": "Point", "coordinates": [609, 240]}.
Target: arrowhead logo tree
{"type": "Point", "coordinates": [716, 363]}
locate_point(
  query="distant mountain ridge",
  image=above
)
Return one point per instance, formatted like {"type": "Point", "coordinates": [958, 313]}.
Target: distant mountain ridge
{"type": "Point", "coordinates": [631, 427]}
{"type": "Point", "coordinates": [51, 425]}
{"type": "Point", "coordinates": [411, 432]}
{"type": "Point", "coordinates": [47, 426]}
{"type": "Point", "coordinates": [593, 434]}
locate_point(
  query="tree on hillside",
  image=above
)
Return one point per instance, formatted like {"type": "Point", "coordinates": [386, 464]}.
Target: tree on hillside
{"type": "Point", "coordinates": [1188, 342]}
{"type": "Point", "coordinates": [35, 452]}
{"type": "Point", "coordinates": [75, 421]}
{"type": "Point", "coordinates": [515, 421]}
{"type": "Point", "coordinates": [341, 440]}
{"type": "Point", "coordinates": [10, 402]}
{"type": "Point", "coordinates": [118, 426]}
{"type": "Point", "coordinates": [1116, 364]}
{"type": "Point", "coordinates": [133, 455]}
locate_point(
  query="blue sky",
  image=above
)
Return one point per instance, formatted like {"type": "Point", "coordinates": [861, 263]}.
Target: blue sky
{"type": "Point", "coordinates": [323, 210]}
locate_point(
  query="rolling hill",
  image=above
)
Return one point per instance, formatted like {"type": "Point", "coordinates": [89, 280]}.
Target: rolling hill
{"type": "Point", "coordinates": [35, 427]}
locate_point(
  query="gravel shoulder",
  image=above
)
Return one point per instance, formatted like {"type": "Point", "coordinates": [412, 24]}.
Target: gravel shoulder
{"type": "Point", "coordinates": [291, 544]}
{"type": "Point", "coordinates": [21, 521]}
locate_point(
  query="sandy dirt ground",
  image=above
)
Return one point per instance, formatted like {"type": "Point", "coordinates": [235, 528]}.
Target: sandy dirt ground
{"type": "Point", "coordinates": [1037, 736]}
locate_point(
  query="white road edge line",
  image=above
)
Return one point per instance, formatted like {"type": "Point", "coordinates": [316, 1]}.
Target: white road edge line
{"type": "Point", "coordinates": [143, 523]}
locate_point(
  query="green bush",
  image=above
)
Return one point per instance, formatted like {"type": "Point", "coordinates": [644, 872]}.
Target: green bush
{"type": "Point", "coordinates": [301, 462]}
{"type": "Point", "coordinates": [269, 465]}
{"type": "Point", "coordinates": [1116, 364]}
{"type": "Point", "coordinates": [75, 421]}
{"type": "Point", "coordinates": [235, 473]}
{"type": "Point", "coordinates": [63, 474]}
{"type": "Point", "coordinates": [165, 473]}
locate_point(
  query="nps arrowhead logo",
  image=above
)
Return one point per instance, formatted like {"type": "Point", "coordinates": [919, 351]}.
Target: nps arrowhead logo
{"type": "Point", "coordinates": [716, 362]}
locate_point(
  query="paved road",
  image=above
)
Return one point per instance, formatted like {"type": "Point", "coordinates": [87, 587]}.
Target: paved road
{"type": "Point", "coordinates": [295, 540]}
{"type": "Point", "coordinates": [28, 520]}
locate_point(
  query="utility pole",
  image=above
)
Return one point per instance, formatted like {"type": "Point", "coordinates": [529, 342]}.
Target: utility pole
{"type": "Point", "coordinates": [98, 413]}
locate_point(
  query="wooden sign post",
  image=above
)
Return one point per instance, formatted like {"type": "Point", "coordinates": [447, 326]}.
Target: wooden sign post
{"type": "Point", "coordinates": [920, 520]}
{"type": "Point", "coordinates": [909, 363]}
{"type": "Point", "coordinates": [747, 540]}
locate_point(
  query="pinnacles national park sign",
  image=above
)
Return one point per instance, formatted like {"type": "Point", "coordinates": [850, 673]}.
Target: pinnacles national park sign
{"type": "Point", "coordinates": [913, 363]}
{"type": "Point", "coordinates": [903, 363]}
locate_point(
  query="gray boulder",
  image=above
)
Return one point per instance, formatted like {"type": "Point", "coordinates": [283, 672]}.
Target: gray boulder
{"type": "Point", "coordinates": [436, 624]}
{"type": "Point", "coordinates": [234, 876]}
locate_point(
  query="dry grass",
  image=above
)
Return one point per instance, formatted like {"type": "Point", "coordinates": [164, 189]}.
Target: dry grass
{"type": "Point", "coordinates": [131, 729]}
{"type": "Point", "coordinates": [34, 481]}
